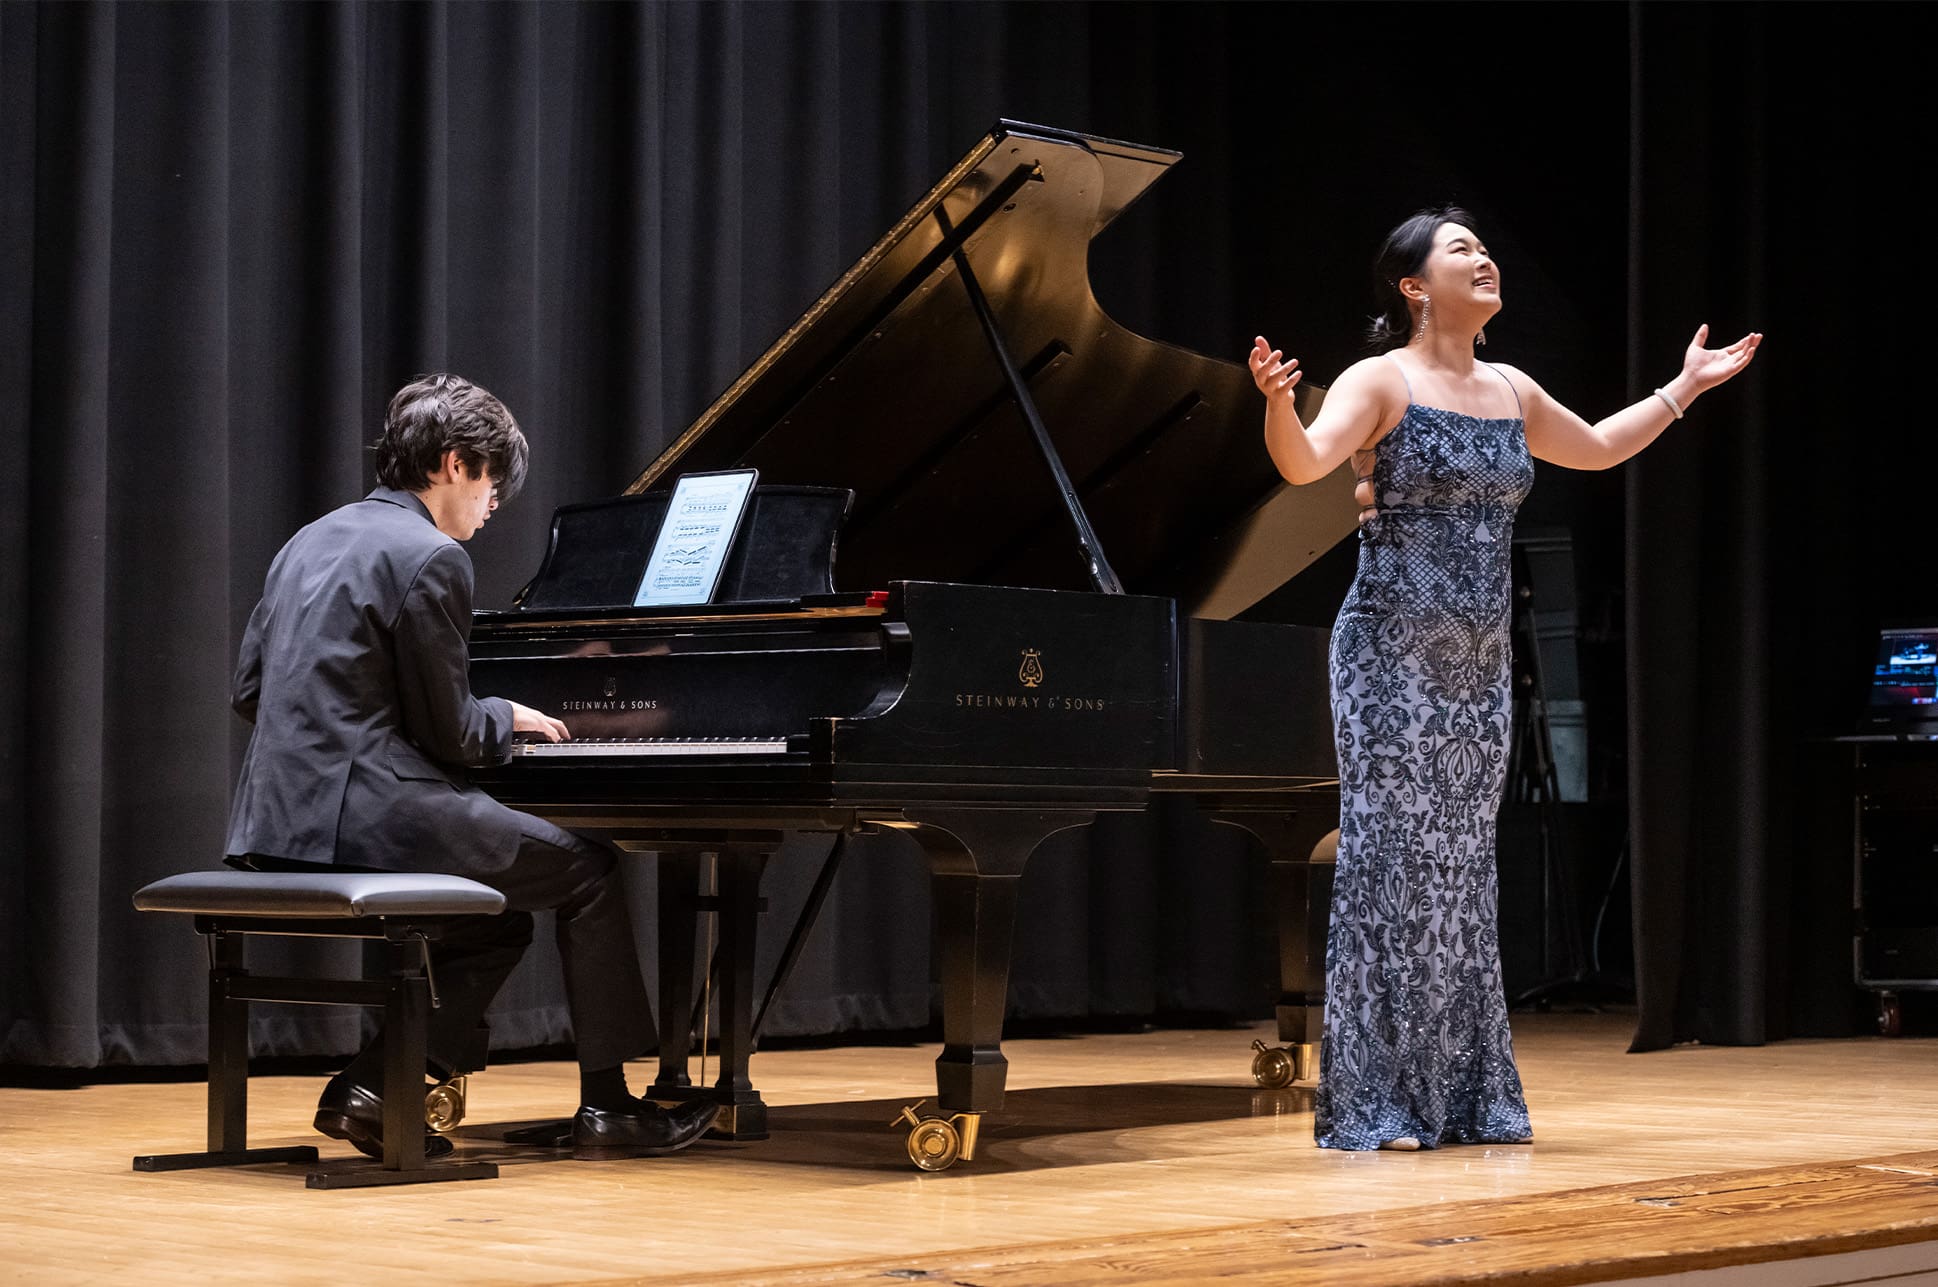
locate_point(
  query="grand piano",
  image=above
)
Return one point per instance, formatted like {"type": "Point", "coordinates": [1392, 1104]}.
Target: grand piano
{"type": "Point", "coordinates": [982, 594]}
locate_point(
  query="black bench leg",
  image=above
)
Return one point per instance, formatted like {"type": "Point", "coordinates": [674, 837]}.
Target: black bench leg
{"type": "Point", "coordinates": [407, 1018]}
{"type": "Point", "coordinates": [228, 1050]}
{"type": "Point", "coordinates": [228, 1132]}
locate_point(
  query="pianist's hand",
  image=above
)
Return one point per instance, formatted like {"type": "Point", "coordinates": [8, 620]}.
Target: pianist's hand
{"type": "Point", "coordinates": [1272, 371]}
{"type": "Point", "coordinates": [526, 720]}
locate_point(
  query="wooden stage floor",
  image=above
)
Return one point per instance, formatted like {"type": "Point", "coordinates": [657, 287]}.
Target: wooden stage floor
{"type": "Point", "coordinates": [1119, 1158]}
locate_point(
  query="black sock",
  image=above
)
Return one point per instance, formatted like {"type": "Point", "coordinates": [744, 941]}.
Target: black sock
{"type": "Point", "coordinates": [605, 1088]}
{"type": "Point", "coordinates": [367, 1069]}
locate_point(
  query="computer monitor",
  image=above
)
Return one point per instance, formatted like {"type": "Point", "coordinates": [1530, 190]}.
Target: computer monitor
{"type": "Point", "coordinates": [1904, 679]}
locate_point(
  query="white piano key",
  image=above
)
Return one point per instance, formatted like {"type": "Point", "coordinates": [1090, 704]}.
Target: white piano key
{"type": "Point", "coordinates": [626, 748]}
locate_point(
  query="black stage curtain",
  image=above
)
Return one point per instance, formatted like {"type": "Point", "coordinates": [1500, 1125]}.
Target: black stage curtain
{"type": "Point", "coordinates": [1773, 187]}
{"type": "Point", "coordinates": [227, 232]}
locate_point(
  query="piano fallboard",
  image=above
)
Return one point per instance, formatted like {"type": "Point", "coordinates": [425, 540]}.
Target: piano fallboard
{"type": "Point", "coordinates": [625, 676]}
{"type": "Point", "coordinates": [943, 692]}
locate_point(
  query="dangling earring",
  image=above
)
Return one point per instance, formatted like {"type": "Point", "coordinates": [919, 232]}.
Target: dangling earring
{"type": "Point", "coordinates": [1426, 311]}
{"type": "Point", "coordinates": [1480, 337]}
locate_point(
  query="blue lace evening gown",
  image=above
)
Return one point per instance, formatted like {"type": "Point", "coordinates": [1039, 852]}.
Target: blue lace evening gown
{"type": "Point", "coordinates": [1416, 1039]}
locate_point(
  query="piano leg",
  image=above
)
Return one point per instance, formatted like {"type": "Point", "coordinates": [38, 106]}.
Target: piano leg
{"type": "Point", "coordinates": [976, 857]}
{"type": "Point", "coordinates": [1305, 916]}
{"type": "Point", "coordinates": [1300, 846]}
{"type": "Point", "coordinates": [743, 1114]}
{"type": "Point", "coordinates": [679, 910]}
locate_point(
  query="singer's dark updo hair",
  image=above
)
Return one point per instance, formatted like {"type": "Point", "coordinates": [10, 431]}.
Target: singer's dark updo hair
{"type": "Point", "coordinates": [1404, 254]}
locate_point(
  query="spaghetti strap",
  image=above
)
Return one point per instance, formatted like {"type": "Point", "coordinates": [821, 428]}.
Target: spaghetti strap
{"type": "Point", "coordinates": [1519, 414]}
{"type": "Point", "coordinates": [1403, 380]}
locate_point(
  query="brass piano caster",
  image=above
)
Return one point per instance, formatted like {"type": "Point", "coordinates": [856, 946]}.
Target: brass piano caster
{"type": "Point", "coordinates": [1273, 1066]}
{"type": "Point", "coordinates": [937, 1143]}
{"type": "Point", "coordinates": [1890, 1014]}
{"type": "Point", "coordinates": [1276, 1067]}
{"type": "Point", "coordinates": [444, 1105]}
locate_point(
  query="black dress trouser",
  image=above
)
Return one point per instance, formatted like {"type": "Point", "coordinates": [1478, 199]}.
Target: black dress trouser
{"type": "Point", "coordinates": [579, 879]}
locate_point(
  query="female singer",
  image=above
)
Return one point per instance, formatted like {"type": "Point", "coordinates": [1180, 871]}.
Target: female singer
{"type": "Point", "coordinates": [1417, 1051]}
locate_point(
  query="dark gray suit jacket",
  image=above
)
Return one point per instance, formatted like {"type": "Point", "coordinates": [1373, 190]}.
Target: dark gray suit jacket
{"type": "Point", "coordinates": [354, 671]}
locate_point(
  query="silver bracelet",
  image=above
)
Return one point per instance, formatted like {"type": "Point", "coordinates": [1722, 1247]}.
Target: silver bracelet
{"type": "Point", "coordinates": [1671, 402]}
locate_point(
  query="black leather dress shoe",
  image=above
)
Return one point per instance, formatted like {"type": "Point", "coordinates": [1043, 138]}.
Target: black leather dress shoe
{"type": "Point", "coordinates": [600, 1135]}
{"type": "Point", "coordinates": [355, 1113]}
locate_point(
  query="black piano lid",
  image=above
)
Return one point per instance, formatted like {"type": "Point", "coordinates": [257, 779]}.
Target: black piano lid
{"type": "Point", "coordinates": [887, 386]}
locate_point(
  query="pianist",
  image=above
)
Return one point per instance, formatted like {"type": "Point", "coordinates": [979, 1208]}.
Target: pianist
{"type": "Point", "coordinates": [354, 672]}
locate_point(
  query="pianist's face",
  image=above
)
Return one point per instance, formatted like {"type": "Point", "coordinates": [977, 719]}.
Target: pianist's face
{"type": "Point", "coordinates": [459, 503]}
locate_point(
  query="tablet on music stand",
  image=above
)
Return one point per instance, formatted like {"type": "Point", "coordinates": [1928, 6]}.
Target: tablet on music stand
{"type": "Point", "coordinates": [695, 538]}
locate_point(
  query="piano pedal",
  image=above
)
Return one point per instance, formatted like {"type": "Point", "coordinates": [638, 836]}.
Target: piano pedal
{"type": "Point", "coordinates": [938, 1143]}
{"type": "Point", "coordinates": [444, 1104]}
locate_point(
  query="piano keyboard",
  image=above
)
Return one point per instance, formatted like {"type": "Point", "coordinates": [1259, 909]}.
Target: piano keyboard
{"type": "Point", "coordinates": [618, 747]}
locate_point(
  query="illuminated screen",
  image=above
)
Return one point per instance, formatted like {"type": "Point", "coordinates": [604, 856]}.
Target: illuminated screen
{"type": "Point", "coordinates": [1906, 673]}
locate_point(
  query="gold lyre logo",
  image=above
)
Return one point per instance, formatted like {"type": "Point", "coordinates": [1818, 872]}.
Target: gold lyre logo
{"type": "Point", "coordinates": [612, 686]}
{"type": "Point", "coordinates": [1031, 671]}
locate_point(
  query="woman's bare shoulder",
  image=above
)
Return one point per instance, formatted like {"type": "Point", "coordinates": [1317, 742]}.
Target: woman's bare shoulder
{"type": "Point", "coordinates": [1380, 386]}
{"type": "Point", "coordinates": [1373, 373]}
{"type": "Point", "coordinates": [1521, 380]}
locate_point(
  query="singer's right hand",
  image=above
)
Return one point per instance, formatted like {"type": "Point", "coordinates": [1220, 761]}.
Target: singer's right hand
{"type": "Point", "coordinates": [1272, 371]}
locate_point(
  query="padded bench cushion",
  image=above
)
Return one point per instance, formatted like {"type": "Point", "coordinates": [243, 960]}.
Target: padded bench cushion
{"type": "Point", "coordinates": [320, 895]}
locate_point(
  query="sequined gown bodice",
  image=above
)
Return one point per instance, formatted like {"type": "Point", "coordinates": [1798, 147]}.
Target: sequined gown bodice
{"type": "Point", "coordinates": [1416, 1036]}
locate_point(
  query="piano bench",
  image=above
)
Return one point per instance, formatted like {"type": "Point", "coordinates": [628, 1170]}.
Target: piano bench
{"type": "Point", "coordinates": [407, 913]}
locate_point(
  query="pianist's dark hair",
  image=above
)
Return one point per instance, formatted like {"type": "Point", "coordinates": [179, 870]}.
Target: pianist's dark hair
{"type": "Point", "coordinates": [434, 414]}
{"type": "Point", "coordinates": [1403, 255]}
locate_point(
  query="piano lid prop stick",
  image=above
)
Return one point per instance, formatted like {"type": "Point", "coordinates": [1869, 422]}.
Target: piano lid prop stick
{"type": "Point", "coordinates": [1102, 576]}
